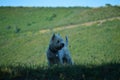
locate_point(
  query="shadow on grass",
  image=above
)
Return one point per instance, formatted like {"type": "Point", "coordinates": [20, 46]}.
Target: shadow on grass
{"type": "Point", "coordinates": [76, 72]}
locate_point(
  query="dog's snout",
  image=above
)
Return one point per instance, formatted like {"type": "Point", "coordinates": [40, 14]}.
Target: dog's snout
{"type": "Point", "coordinates": [62, 44]}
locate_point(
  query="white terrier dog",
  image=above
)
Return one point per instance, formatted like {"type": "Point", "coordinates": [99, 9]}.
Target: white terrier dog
{"type": "Point", "coordinates": [58, 52]}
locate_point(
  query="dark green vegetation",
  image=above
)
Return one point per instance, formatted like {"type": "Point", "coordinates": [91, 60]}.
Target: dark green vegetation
{"type": "Point", "coordinates": [94, 48]}
{"type": "Point", "coordinates": [76, 72]}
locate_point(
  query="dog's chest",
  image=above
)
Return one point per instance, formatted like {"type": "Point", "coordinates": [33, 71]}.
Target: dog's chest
{"type": "Point", "coordinates": [52, 55]}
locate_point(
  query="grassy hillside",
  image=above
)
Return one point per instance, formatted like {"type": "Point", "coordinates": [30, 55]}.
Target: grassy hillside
{"type": "Point", "coordinates": [34, 19]}
{"type": "Point", "coordinates": [94, 48]}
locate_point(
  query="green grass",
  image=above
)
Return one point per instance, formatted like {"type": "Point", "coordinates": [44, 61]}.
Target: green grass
{"type": "Point", "coordinates": [96, 44]}
{"type": "Point", "coordinates": [94, 49]}
{"type": "Point", "coordinates": [34, 19]}
{"type": "Point", "coordinates": [76, 72]}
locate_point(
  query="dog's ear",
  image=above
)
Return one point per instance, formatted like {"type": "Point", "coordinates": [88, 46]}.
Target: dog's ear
{"type": "Point", "coordinates": [53, 36]}
{"type": "Point", "coordinates": [66, 40]}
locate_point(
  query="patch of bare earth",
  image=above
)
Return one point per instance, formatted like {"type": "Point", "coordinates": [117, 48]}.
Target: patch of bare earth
{"type": "Point", "coordinates": [99, 22]}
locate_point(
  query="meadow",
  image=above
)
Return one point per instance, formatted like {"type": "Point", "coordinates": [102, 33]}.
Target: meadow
{"type": "Point", "coordinates": [95, 48]}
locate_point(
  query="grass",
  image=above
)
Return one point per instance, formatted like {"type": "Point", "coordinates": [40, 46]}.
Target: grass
{"type": "Point", "coordinates": [76, 72]}
{"type": "Point", "coordinates": [94, 44]}
{"type": "Point", "coordinates": [94, 48]}
{"type": "Point", "coordinates": [35, 19]}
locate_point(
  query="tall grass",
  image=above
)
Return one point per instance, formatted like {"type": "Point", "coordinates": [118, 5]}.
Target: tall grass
{"type": "Point", "coordinates": [76, 72]}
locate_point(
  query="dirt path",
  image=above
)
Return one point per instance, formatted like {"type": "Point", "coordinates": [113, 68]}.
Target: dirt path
{"type": "Point", "coordinates": [77, 25]}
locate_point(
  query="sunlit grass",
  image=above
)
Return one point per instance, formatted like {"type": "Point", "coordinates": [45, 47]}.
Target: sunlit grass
{"type": "Point", "coordinates": [96, 44]}
{"type": "Point", "coordinates": [20, 19]}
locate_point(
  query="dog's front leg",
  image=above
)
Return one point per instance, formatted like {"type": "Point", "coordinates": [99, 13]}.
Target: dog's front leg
{"type": "Point", "coordinates": [61, 58]}
{"type": "Point", "coordinates": [49, 62]}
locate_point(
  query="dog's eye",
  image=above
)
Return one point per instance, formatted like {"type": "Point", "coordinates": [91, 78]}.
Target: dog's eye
{"type": "Point", "coordinates": [58, 41]}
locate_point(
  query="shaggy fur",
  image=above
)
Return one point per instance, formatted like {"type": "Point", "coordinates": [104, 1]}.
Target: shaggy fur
{"type": "Point", "coordinates": [58, 52]}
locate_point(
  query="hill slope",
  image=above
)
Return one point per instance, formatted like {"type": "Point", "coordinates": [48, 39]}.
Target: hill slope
{"type": "Point", "coordinates": [34, 19]}
{"type": "Point", "coordinates": [26, 43]}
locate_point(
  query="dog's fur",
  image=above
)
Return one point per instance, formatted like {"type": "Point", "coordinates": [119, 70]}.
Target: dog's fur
{"type": "Point", "coordinates": [58, 52]}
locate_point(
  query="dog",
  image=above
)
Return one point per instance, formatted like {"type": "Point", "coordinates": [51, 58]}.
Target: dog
{"type": "Point", "coordinates": [57, 52]}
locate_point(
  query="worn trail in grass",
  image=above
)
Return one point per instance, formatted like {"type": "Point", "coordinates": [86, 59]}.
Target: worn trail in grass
{"type": "Point", "coordinates": [77, 25]}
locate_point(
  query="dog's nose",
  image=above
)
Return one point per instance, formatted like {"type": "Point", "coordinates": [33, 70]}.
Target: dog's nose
{"type": "Point", "coordinates": [62, 44]}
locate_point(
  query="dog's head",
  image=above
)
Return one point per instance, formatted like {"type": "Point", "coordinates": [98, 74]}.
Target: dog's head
{"type": "Point", "coordinates": [57, 42]}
